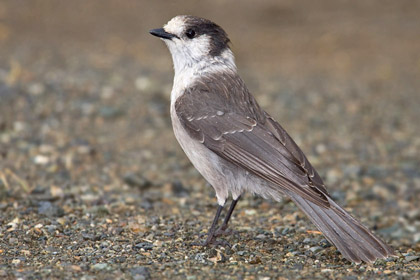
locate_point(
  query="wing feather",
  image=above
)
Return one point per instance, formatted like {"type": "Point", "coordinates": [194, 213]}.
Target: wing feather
{"type": "Point", "coordinates": [229, 122]}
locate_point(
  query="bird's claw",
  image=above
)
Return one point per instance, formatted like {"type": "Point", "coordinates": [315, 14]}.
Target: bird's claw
{"type": "Point", "coordinates": [225, 231]}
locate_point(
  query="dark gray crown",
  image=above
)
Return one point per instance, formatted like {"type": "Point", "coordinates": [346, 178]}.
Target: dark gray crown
{"type": "Point", "coordinates": [218, 38]}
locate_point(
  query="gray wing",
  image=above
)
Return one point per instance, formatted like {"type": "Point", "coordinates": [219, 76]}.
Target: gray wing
{"type": "Point", "coordinates": [229, 122]}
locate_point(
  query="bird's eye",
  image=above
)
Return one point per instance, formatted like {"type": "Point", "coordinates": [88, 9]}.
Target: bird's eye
{"type": "Point", "coordinates": [190, 33]}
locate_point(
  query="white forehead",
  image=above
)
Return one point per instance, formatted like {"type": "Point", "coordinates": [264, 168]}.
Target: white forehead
{"type": "Point", "coordinates": [175, 25]}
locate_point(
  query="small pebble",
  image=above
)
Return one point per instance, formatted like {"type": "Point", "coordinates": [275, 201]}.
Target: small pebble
{"type": "Point", "coordinates": [137, 180]}
{"type": "Point", "coordinates": [316, 249]}
{"type": "Point", "coordinates": [13, 240]}
{"type": "Point", "coordinates": [408, 259]}
{"type": "Point", "coordinates": [100, 266]}
{"type": "Point", "coordinates": [41, 160]}
{"type": "Point", "coordinates": [144, 245]}
{"type": "Point", "coordinates": [254, 260]}
{"type": "Point", "coordinates": [49, 209]}
{"type": "Point", "coordinates": [140, 273]}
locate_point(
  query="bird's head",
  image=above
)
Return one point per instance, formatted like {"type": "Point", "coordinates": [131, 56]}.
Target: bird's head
{"type": "Point", "coordinates": [193, 40]}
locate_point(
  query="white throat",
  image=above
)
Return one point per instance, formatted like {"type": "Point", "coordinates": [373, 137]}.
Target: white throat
{"type": "Point", "coordinates": [188, 68]}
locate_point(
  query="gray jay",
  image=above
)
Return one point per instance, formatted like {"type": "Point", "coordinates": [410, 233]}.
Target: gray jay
{"type": "Point", "coordinates": [239, 147]}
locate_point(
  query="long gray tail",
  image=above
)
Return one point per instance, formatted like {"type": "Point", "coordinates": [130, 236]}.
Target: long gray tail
{"type": "Point", "coordinates": [351, 238]}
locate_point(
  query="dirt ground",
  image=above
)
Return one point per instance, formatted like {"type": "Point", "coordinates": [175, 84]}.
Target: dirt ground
{"type": "Point", "coordinates": [93, 184]}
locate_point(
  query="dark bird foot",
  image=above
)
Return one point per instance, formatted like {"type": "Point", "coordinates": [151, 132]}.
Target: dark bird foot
{"type": "Point", "coordinates": [212, 241]}
{"type": "Point", "coordinates": [225, 231]}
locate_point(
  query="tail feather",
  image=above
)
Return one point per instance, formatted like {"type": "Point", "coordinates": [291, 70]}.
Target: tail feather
{"type": "Point", "coordinates": [351, 238]}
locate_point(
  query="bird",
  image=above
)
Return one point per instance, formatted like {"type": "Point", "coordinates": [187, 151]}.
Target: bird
{"type": "Point", "coordinates": [238, 147]}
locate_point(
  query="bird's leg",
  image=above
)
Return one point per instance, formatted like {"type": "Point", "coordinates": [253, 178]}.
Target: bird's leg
{"type": "Point", "coordinates": [212, 230]}
{"type": "Point", "coordinates": [222, 229]}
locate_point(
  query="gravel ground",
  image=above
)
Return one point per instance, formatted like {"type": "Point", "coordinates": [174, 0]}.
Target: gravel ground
{"type": "Point", "coordinates": [94, 185]}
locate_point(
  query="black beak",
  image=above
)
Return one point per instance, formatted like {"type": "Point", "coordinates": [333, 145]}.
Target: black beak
{"type": "Point", "coordinates": [161, 33]}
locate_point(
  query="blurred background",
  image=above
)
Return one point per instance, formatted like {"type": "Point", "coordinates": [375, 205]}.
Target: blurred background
{"type": "Point", "coordinates": [85, 133]}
